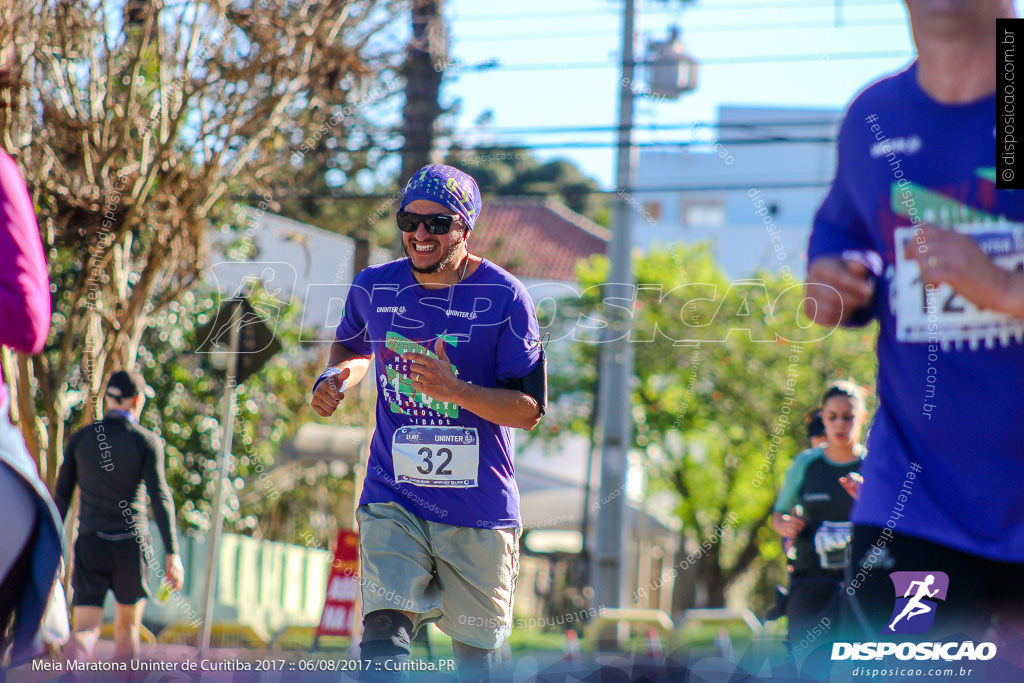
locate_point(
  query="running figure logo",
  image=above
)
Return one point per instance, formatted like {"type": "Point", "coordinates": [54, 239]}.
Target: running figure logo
{"type": "Point", "coordinates": [914, 612]}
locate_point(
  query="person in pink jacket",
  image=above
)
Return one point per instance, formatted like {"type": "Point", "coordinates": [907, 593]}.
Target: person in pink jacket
{"type": "Point", "coordinates": [30, 537]}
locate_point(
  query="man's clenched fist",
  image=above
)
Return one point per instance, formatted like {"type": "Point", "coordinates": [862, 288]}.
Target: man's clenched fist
{"type": "Point", "coordinates": [328, 395]}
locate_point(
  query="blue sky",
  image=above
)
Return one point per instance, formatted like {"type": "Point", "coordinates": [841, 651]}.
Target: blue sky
{"type": "Point", "coordinates": [785, 53]}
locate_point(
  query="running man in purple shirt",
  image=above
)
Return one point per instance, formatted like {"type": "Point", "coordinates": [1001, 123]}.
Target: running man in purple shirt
{"type": "Point", "coordinates": [915, 234]}
{"type": "Point", "coordinates": [453, 343]}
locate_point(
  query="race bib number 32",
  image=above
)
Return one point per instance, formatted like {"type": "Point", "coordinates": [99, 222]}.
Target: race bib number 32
{"type": "Point", "coordinates": [439, 457]}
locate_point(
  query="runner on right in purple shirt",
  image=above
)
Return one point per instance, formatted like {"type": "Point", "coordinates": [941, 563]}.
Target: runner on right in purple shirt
{"type": "Point", "coordinates": [915, 234]}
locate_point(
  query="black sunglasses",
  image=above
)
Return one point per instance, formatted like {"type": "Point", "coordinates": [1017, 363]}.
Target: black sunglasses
{"type": "Point", "coordinates": [436, 223]}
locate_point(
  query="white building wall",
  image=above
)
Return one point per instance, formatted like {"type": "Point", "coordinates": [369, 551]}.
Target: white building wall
{"type": "Point", "coordinates": [291, 259]}
{"type": "Point", "coordinates": [740, 237]}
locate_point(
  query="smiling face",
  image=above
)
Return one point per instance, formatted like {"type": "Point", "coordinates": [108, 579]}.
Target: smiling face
{"type": "Point", "coordinates": [843, 421]}
{"type": "Point", "coordinates": [428, 253]}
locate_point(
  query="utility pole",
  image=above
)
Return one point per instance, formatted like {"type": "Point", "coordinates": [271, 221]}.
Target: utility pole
{"type": "Point", "coordinates": [425, 63]}
{"type": "Point", "coordinates": [250, 344]}
{"type": "Point", "coordinates": [616, 368]}
{"type": "Point", "coordinates": [216, 531]}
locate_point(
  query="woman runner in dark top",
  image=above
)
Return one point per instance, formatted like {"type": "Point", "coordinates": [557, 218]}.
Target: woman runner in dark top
{"type": "Point", "coordinates": [813, 509]}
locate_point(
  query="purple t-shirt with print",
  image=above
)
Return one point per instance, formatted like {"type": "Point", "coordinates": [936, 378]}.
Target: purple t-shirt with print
{"type": "Point", "coordinates": [945, 461]}
{"type": "Point", "coordinates": [441, 462]}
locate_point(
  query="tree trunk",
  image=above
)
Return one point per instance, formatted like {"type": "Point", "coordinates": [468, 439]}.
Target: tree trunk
{"type": "Point", "coordinates": [712, 583]}
{"type": "Point", "coordinates": [702, 582]}
{"type": "Point", "coordinates": [424, 67]}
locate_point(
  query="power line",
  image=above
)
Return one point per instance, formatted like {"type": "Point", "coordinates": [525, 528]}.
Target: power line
{"type": "Point", "coordinates": [457, 145]}
{"type": "Point", "coordinates": [752, 127]}
{"type": "Point", "coordinates": [718, 6]}
{"type": "Point", "coordinates": [871, 23]}
{"type": "Point", "coordinates": [388, 141]}
{"type": "Point", "coordinates": [701, 125]}
{"type": "Point", "coordinates": [760, 129]}
{"type": "Point", "coordinates": [683, 143]}
{"type": "Point", "coordinates": [747, 59]}
{"type": "Point", "coordinates": [664, 189]}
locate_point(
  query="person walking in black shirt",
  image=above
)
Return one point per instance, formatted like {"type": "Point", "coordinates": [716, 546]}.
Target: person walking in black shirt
{"type": "Point", "coordinates": [111, 461]}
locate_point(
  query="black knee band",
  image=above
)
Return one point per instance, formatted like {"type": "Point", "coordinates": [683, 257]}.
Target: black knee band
{"type": "Point", "coordinates": [386, 633]}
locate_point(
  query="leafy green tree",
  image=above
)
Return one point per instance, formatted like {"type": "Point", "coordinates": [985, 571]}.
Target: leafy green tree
{"type": "Point", "coordinates": [721, 368]}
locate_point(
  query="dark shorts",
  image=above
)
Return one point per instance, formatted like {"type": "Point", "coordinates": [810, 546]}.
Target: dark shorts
{"type": "Point", "coordinates": [102, 565]}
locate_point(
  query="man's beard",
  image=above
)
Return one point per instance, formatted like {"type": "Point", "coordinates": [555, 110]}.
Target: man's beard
{"type": "Point", "coordinates": [446, 260]}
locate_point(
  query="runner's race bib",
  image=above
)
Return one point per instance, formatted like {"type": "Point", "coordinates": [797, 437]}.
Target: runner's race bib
{"type": "Point", "coordinates": [832, 543]}
{"type": "Point", "coordinates": [939, 315]}
{"type": "Point", "coordinates": [438, 457]}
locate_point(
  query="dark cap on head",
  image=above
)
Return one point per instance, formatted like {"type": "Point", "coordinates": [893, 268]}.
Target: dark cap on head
{"type": "Point", "coordinates": [124, 384]}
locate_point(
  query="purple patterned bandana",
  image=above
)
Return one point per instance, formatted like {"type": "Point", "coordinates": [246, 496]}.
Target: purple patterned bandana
{"type": "Point", "coordinates": [446, 186]}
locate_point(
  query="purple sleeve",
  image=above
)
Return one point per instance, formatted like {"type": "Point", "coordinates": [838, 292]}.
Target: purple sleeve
{"type": "Point", "coordinates": [24, 283]}
{"type": "Point", "coordinates": [838, 225]}
{"type": "Point", "coordinates": [518, 348]}
{"type": "Point", "coordinates": [839, 229]}
{"type": "Point", "coordinates": [351, 332]}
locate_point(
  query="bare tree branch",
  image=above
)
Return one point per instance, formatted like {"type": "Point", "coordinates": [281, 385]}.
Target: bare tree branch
{"type": "Point", "coordinates": [135, 137]}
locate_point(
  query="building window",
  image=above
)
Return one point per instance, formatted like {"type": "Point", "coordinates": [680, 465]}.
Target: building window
{"type": "Point", "coordinates": [704, 212]}
{"type": "Point", "coordinates": [652, 211]}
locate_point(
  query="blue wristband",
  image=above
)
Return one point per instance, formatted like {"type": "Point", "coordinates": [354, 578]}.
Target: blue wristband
{"type": "Point", "coordinates": [327, 374]}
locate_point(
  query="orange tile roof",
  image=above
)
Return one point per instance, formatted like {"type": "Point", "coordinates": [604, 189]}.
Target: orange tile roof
{"type": "Point", "coordinates": [536, 237]}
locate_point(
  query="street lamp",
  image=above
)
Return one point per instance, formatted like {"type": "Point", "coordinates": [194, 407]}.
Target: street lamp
{"type": "Point", "coordinates": [671, 70]}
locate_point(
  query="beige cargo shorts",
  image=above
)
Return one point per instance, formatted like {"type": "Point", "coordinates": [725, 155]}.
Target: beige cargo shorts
{"type": "Point", "coordinates": [462, 578]}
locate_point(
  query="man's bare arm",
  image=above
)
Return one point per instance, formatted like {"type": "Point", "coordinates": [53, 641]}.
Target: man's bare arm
{"type": "Point", "coordinates": [508, 407]}
{"type": "Point", "coordinates": [328, 395]}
